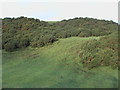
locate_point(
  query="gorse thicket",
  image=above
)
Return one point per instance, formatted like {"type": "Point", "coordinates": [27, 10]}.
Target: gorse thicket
{"type": "Point", "coordinates": [102, 52]}
{"type": "Point", "coordinates": [23, 32]}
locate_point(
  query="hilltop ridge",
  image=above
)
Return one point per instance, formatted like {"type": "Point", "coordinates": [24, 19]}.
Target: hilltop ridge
{"type": "Point", "coordinates": [22, 32]}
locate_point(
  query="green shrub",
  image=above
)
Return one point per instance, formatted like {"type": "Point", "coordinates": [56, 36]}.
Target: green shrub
{"type": "Point", "coordinates": [33, 32]}
{"type": "Point", "coordinates": [10, 46]}
{"type": "Point", "coordinates": [103, 52]}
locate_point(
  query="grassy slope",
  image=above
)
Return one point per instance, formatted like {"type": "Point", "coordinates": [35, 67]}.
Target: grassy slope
{"type": "Point", "coordinates": [51, 22]}
{"type": "Point", "coordinates": [54, 66]}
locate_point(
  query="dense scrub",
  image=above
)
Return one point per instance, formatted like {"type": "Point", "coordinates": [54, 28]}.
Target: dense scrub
{"type": "Point", "coordinates": [102, 52]}
{"type": "Point", "coordinates": [22, 32]}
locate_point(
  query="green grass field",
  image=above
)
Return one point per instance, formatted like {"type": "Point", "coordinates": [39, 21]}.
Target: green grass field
{"type": "Point", "coordinates": [54, 66]}
{"type": "Point", "coordinates": [51, 22]}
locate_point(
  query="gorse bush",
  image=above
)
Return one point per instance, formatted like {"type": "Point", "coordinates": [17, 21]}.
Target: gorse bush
{"type": "Point", "coordinates": [25, 31]}
{"type": "Point", "coordinates": [101, 52]}
{"type": "Point", "coordinates": [42, 40]}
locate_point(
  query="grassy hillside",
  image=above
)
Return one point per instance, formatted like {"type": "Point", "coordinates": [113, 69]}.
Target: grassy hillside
{"type": "Point", "coordinates": [51, 22]}
{"type": "Point", "coordinates": [79, 52]}
{"type": "Point", "coordinates": [55, 66]}
{"type": "Point", "coordinates": [22, 32]}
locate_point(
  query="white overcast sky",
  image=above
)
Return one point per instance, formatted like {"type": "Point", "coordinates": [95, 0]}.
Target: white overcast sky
{"type": "Point", "coordinates": [50, 10]}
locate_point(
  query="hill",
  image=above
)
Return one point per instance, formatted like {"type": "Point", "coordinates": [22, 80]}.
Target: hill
{"type": "Point", "coordinates": [23, 32]}
{"type": "Point", "coordinates": [55, 66]}
{"type": "Point", "coordinates": [79, 52]}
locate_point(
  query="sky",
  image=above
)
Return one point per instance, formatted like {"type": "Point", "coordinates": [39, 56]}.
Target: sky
{"type": "Point", "coordinates": [54, 10]}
